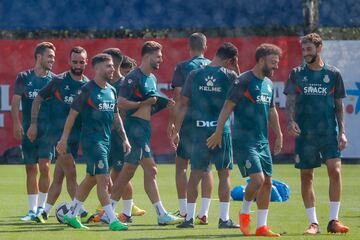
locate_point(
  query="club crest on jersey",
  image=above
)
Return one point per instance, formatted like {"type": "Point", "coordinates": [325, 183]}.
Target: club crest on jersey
{"type": "Point", "coordinates": [129, 81]}
{"type": "Point", "coordinates": [236, 82]}
{"type": "Point", "coordinates": [79, 92]}
{"type": "Point", "coordinates": [67, 87]}
{"type": "Point", "coordinates": [101, 164]}
{"type": "Point", "coordinates": [326, 79]}
{"type": "Point", "coordinates": [210, 81]}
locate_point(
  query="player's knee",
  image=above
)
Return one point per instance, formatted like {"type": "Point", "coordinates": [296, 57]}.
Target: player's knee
{"type": "Point", "coordinates": [151, 172]}
{"type": "Point", "coordinates": [307, 176]}
{"type": "Point", "coordinates": [258, 181]}
{"type": "Point", "coordinates": [335, 174]}
{"type": "Point", "coordinates": [31, 169]}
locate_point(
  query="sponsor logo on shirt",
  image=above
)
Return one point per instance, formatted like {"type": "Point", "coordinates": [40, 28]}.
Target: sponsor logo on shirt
{"type": "Point", "coordinates": [210, 80]}
{"type": "Point", "coordinates": [315, 89]}
{"type": "Point", "coordinates": [305, 79]}
{"type": "Point", "coordinates": [33, 94]}
{"type": "Point", "coordinates": [200, 123]}
{"type": "Point", "coordinates": [69, 99]}
{"type": "Point", "coordinates": [106, 106]}
{"type": "Point", "coordinates": [263, 99]}
{"type": "Point", "coordinates": [29, 84]}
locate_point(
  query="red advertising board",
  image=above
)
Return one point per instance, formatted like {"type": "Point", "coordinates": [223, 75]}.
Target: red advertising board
{"type": "Point", "coordinates": [17, 55]}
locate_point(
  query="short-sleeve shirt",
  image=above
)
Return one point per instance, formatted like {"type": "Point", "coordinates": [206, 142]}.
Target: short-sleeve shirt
{"type": "Point", "coordinates": [27, 86]}
{"type": "Point", "coordinates": [97, 107]}
{"type": "Point", "coordinates": [138, 87]}
{"type": "Point", "coordinates": [316, 92]}
{"type": "Point", "coordinates": [61, 91]}
{"type": "Point", "coordinates": [253, 98]}
{"type": "Point", "coordinates": [207, 89]}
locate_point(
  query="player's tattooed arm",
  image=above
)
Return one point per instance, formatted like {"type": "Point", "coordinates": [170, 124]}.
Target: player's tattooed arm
{"type": "Point", "coordinates": [292, 126]}
{"type": "Point", "coordinates": [339, 111]}
{"type": "Point", "coordinates": [62, 144]}
{"type": "Point", "coordinates": [275, 125]}
{"type": "Point", "coordinates": [35, 108]}
{"type": "Point", "coordinates": [119, 128]}
{"type": "Point", "coordinates": [32, 131]}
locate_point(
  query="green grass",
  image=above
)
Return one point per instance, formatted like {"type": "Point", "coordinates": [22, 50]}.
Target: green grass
{"type": "Point", "coordinates": [288, 218]}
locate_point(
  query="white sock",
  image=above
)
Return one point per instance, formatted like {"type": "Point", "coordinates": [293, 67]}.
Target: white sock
{"type": "Point", "coordinates": [160, 210]}
{"type": "Point", "coordinates": [182, 206]}
{"type": "Point", "coordinates": [205, 205]}
{"type": "Point", "coordinates": [262, 217]}
{"type": "Point", "coordinates": [224, 210]}
{"type": "Point", "coordinates": [82, 209]}
{"type": "Point", "coordinates": [113, 204]}
{"type": "Point", "coordinates": [127, 205]}
{"type": "Point", "coordinates": [32, 201]}
{"type": "Point", "coordinates": [334, 210]}
{"type": "Point", "coordinates": [42, 199]}
{"type": "Point", "coordinates": [48, 208]}
{"type": "Point", "coordinates": [109, 211]}
{"type": "Point", "coordinates": [311, 212]}
{"type": "Point", "coordinates": [190, 211]}
{"type": "Point", "coordinates": [75, 208]}
{"type": "Point", "coordinates": [246, 207]}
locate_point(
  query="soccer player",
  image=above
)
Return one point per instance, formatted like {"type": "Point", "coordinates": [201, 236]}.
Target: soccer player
{"type": "Point", "coordinates": [61, 91]}
{"type": "Point", "coordinates": [205, 92]}
{"type": "Point", "coordinates": [315, 113]}
{"type": "Point", "coordinates": [97, 105]}
{"type": "Point", "coordinates": [197, 47]}
{"type": "Point", "coordinates": [252, 99]}
{"type": "Point", "coordinates": [139, 96]}
{"type": "Point", "coordinates": [36, 154]}
{"type": "Point", "coordinates": [127, 65]}
{"type": "Point", "coordinates": [116, 158]}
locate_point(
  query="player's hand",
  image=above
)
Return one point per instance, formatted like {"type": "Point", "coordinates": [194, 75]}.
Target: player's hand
{"type": "Point", "coordinates": [214, 140]}
{"type": "Point", "coordinates": [32, 132]}
{"type": "Point", "coordinates": [150, 101]}
{"type": "Point", "coordinates": [170, 104]}
{"type": "Point", "coordinates": [342, 141]}
{"type": "Point", "coordinates": [293, 129]}
{"type": "Point", "coordinates": [18, 131]}
{"type": "Point", "coordinates": [126, 147]}
{"type": "Point", "coordinates": [174, 140]}
{"type": "Point", "coordinates": [170, 130]}
{"type": "Point", "coordinates": [278, 144]}
{"type": "Point", "coordinates": [61, 146]}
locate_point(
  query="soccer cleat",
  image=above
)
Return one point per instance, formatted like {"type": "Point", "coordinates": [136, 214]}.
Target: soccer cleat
{"type": "Point", "coordinates": [86, 217]}
{"type": "Point", "coordinates": [74, 222]}
{"type": "Point", "coordinates": [335, 226]}
{"type": "Point", "coordinates": [136, 211]}
{"type": "Point", "coordinates": [178, 214]}
{"type": "Point", "coordinates": [97, 216]}
{"type": "Point", "coordinates": [29, 217]}
{"type": "Point", "coordinates": [118, 226]}
{"type": "Point", "coordinates": [227, 224]}
{"type": "Point", "coordinates": [313, 229]}
{"type": "Point", "coordinates": [244, 220]}
{"type": "Point", "coordinates": [169, 219]}
{"type": "Point", "coordinates": [186, 224]}
{"type": "Point", "coordinates": [265, 231]}
{"type": "Point", "coordinates": [124, 218]}
{"type": "Point", "coordinates": [201, 220]}
{"type": "Point", "coordinates": [39, 217]}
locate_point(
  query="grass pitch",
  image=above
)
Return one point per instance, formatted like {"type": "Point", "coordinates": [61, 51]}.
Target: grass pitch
{"type": "Point", "coordinates": [288, 218]}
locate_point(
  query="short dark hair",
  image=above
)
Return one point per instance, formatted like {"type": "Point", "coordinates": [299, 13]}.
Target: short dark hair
{"type": "Point", "coordinates": [41, 48]}
{"type": "Point", "coordinates": [267, 49]}
{"type": "Point", "coordinates": [99, 58]}
{"type": "Point", "coordinates": [150, 47]}
{"type": "Point", "coordinates": [77, 50]}
{"type": "Point", "coordinates": [227, 51]}
{"type": "Point", "coordinates": [311, 38]}
{"type": "Point", "coordinates": [197, 42]}
{"type": "Point", "coordinates": [116, 54]}
{"type": "Point", "coordinates": [128, 62]}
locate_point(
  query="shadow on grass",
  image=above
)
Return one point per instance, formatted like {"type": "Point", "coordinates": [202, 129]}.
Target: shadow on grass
{"type": "Point", "coordinates": [199, 236]}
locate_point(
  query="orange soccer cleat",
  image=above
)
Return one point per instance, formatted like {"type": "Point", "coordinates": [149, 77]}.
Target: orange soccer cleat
{"type": "Point", "coordinates": [244, 220]}
{"type": "Point", "coordinates": [335, 226]}
{"type": "Point", "coordinates": [313, 229]}
{"type": "Point", "coordinates": [265, 231]}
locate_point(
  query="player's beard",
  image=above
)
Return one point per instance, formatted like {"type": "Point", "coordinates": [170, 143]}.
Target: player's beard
{"type": "Point", "coordinates": [154, 65]}
{"type": "Point", "coordinates": [46, 65]}
{"type": "Point", "coordinates": [268, 72]}
{"type": "Point", "coordinates": [312, 60]}
{"type": "Point", "coordinates": [77, 71]}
